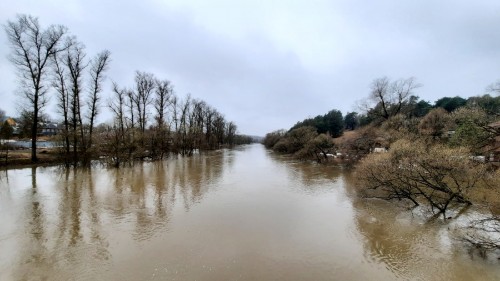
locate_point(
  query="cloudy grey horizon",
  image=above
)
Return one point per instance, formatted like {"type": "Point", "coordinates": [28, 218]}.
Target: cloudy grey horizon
{"type": "Point", "coordinates": [268, 64]}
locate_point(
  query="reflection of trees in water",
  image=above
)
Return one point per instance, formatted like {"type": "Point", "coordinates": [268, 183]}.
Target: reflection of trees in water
{"type": "Point", "coordinates": [410, 246]}
{"type": "Point", "coordinates": [386, 241]}
{"type": "Point", "coordinates": [195, 176]}
{"type": "Point", "coordinates": [34, 249]}
{"type": "Point", "coordinates": [69, 231]}
{"type": "Point", "coordinates": [35, 242]}
{"type": "Point", "coordinates": [306, 172]}
{"type": "Point", "coordinates": [4, 176]}
{"type": "Point", "coordinates": [409, 243]}
{"type": "Point", "coordinates": [147, 192]}
{"type": "Point", "coordinates": [61, 228]}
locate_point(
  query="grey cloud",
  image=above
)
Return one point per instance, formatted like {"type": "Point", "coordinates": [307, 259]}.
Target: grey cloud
{"type": "Point", "coordinates": [262, 83]}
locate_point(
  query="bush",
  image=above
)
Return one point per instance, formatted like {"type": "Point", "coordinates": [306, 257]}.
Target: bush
{"type": "Point", "coordinates": [435, 175]}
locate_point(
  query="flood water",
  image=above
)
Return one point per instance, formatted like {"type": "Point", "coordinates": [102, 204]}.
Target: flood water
{"type": "Point", "coordinates": [242, 214]}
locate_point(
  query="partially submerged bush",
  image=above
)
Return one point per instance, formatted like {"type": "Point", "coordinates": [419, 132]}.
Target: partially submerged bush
{"type": "Point", "coordinates": [424, 174]}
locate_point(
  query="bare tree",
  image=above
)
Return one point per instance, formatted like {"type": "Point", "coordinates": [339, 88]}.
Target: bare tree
{"type": "Point", "coordinates": [390, 97]}
{"type": "Point", "coordinates": [116, 137]}
{"type": "Point", "coordinates": [379, 94]}
{"type": "Point", "coordinates": [219, 128]}
{"type": "Point", "coordinates": [230, 133]}
{"type": "Point", "coordinates": [117, 105]}
{"type": "Point", "coordinates": [494, 88]}
{"type": "Point", "coordinates": [183, 137]}
{"type": "Point", "coordinates": [209, 128]}
{"type": "Point", "coordinates": [32, 49]}
{"type": "Point", "coordinates": [69, 81]}
{"type": "Point", "coordinates": [164, 92]}
{"type": "Point", "coordinates": [197, 121]}
{"type": "Point", "coordinates": [130, 102]}
{"type": "Point", "coordinates": [60, 85]}
{"type": "Point", "coordinates": [181, 125]}
{"type": "Point", "coordinates": [145, 85]}
{"type": "Point", "coordinates": [97, 68]}
{"type": "Point", "coordinates": [75, 63]}
{"type": "Point", "coordinates": [174, 110]}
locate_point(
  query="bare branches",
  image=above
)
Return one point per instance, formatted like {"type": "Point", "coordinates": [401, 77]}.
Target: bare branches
{"type": "Point", "coordinates": [76, 95]}
{"type": "Point", "coordinates": [97, 68]}
{"type": "Point", "coordinates": [390, 97]}
{"type": "Point", "coordinates": [117, 105]}
{"type": "Point", "coordinates": [164, 92]}
{"type": "Point", "coordinates": [413, 170]}
{"type": "Point", "coordinates": [145, 85]}
{"type": "Point", "coordinates": [32, 49]}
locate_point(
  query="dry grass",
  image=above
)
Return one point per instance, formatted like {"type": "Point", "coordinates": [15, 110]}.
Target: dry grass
{"type": "Point", "coordinates": [22, 157]}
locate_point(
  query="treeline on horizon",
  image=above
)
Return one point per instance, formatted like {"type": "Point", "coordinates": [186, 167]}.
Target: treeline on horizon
{"type": "Point", "coordinates": [149, 119]}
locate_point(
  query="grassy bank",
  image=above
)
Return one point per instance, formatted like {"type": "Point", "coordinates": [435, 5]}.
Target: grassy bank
{"type": "Point", "coordinates": [22, 157]}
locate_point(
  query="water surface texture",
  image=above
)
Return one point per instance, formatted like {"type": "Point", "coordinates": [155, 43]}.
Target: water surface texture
{"type": "Point", "coordinates": [242, 214]}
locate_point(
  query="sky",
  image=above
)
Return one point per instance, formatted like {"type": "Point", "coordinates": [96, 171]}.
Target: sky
{"type": "Point", "coordinates": [268, 64]}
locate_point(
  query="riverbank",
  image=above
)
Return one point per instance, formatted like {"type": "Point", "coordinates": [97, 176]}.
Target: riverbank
{"type": "Point", "coordinates": [22, 157]}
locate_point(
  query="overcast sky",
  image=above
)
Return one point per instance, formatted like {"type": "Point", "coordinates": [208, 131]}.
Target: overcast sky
{"type": "Point", "coordinates": [268, 64]}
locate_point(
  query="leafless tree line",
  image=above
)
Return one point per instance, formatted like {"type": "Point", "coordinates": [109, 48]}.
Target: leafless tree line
{"type": "Point", "coordinates": [78, 102]}
{"type": "Point", "coordinates": [150, 121]}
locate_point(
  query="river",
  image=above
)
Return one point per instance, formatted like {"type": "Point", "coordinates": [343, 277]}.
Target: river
{"type": "Point", "coordinates": [240, 214]}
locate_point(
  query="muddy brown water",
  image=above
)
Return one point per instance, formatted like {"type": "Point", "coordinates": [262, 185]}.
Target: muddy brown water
{"type": "Point", "coordinates": [241, 214]}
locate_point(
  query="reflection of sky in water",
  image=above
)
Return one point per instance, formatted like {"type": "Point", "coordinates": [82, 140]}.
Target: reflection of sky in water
{"type": "Point", "coordinates": [27, 144]}
{"type": "Point", "coordinates": [230, 214]}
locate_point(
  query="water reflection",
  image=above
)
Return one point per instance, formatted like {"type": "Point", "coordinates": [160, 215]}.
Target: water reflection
{"type": "Point", "coordinates": [309, 174]}
{"type": "Point", "coordinates": [71, 216]}
{"type": "Point", "coordinates": [404, 241]}
{"type": "Point", "coordinates": [244, 214]}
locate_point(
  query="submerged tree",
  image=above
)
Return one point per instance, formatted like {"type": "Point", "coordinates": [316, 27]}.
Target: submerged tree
{"type": "Point", "coordinates": [98, 66]}
{"type": "Point", "coordinates": [32, 49]}
{"type": "Point", "coordinates": [430, 174]}
{"type": "Point", "coordinates": [78, 82]}
{"type": "Point", "coordinates": [175, 125]}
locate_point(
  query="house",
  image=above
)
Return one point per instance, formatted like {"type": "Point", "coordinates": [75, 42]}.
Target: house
{"type": "Point", "coordinates": [49, 129]}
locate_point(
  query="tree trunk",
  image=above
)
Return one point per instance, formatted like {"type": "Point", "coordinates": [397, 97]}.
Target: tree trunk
{"type": "Point", "coordinates": [34, 130]}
